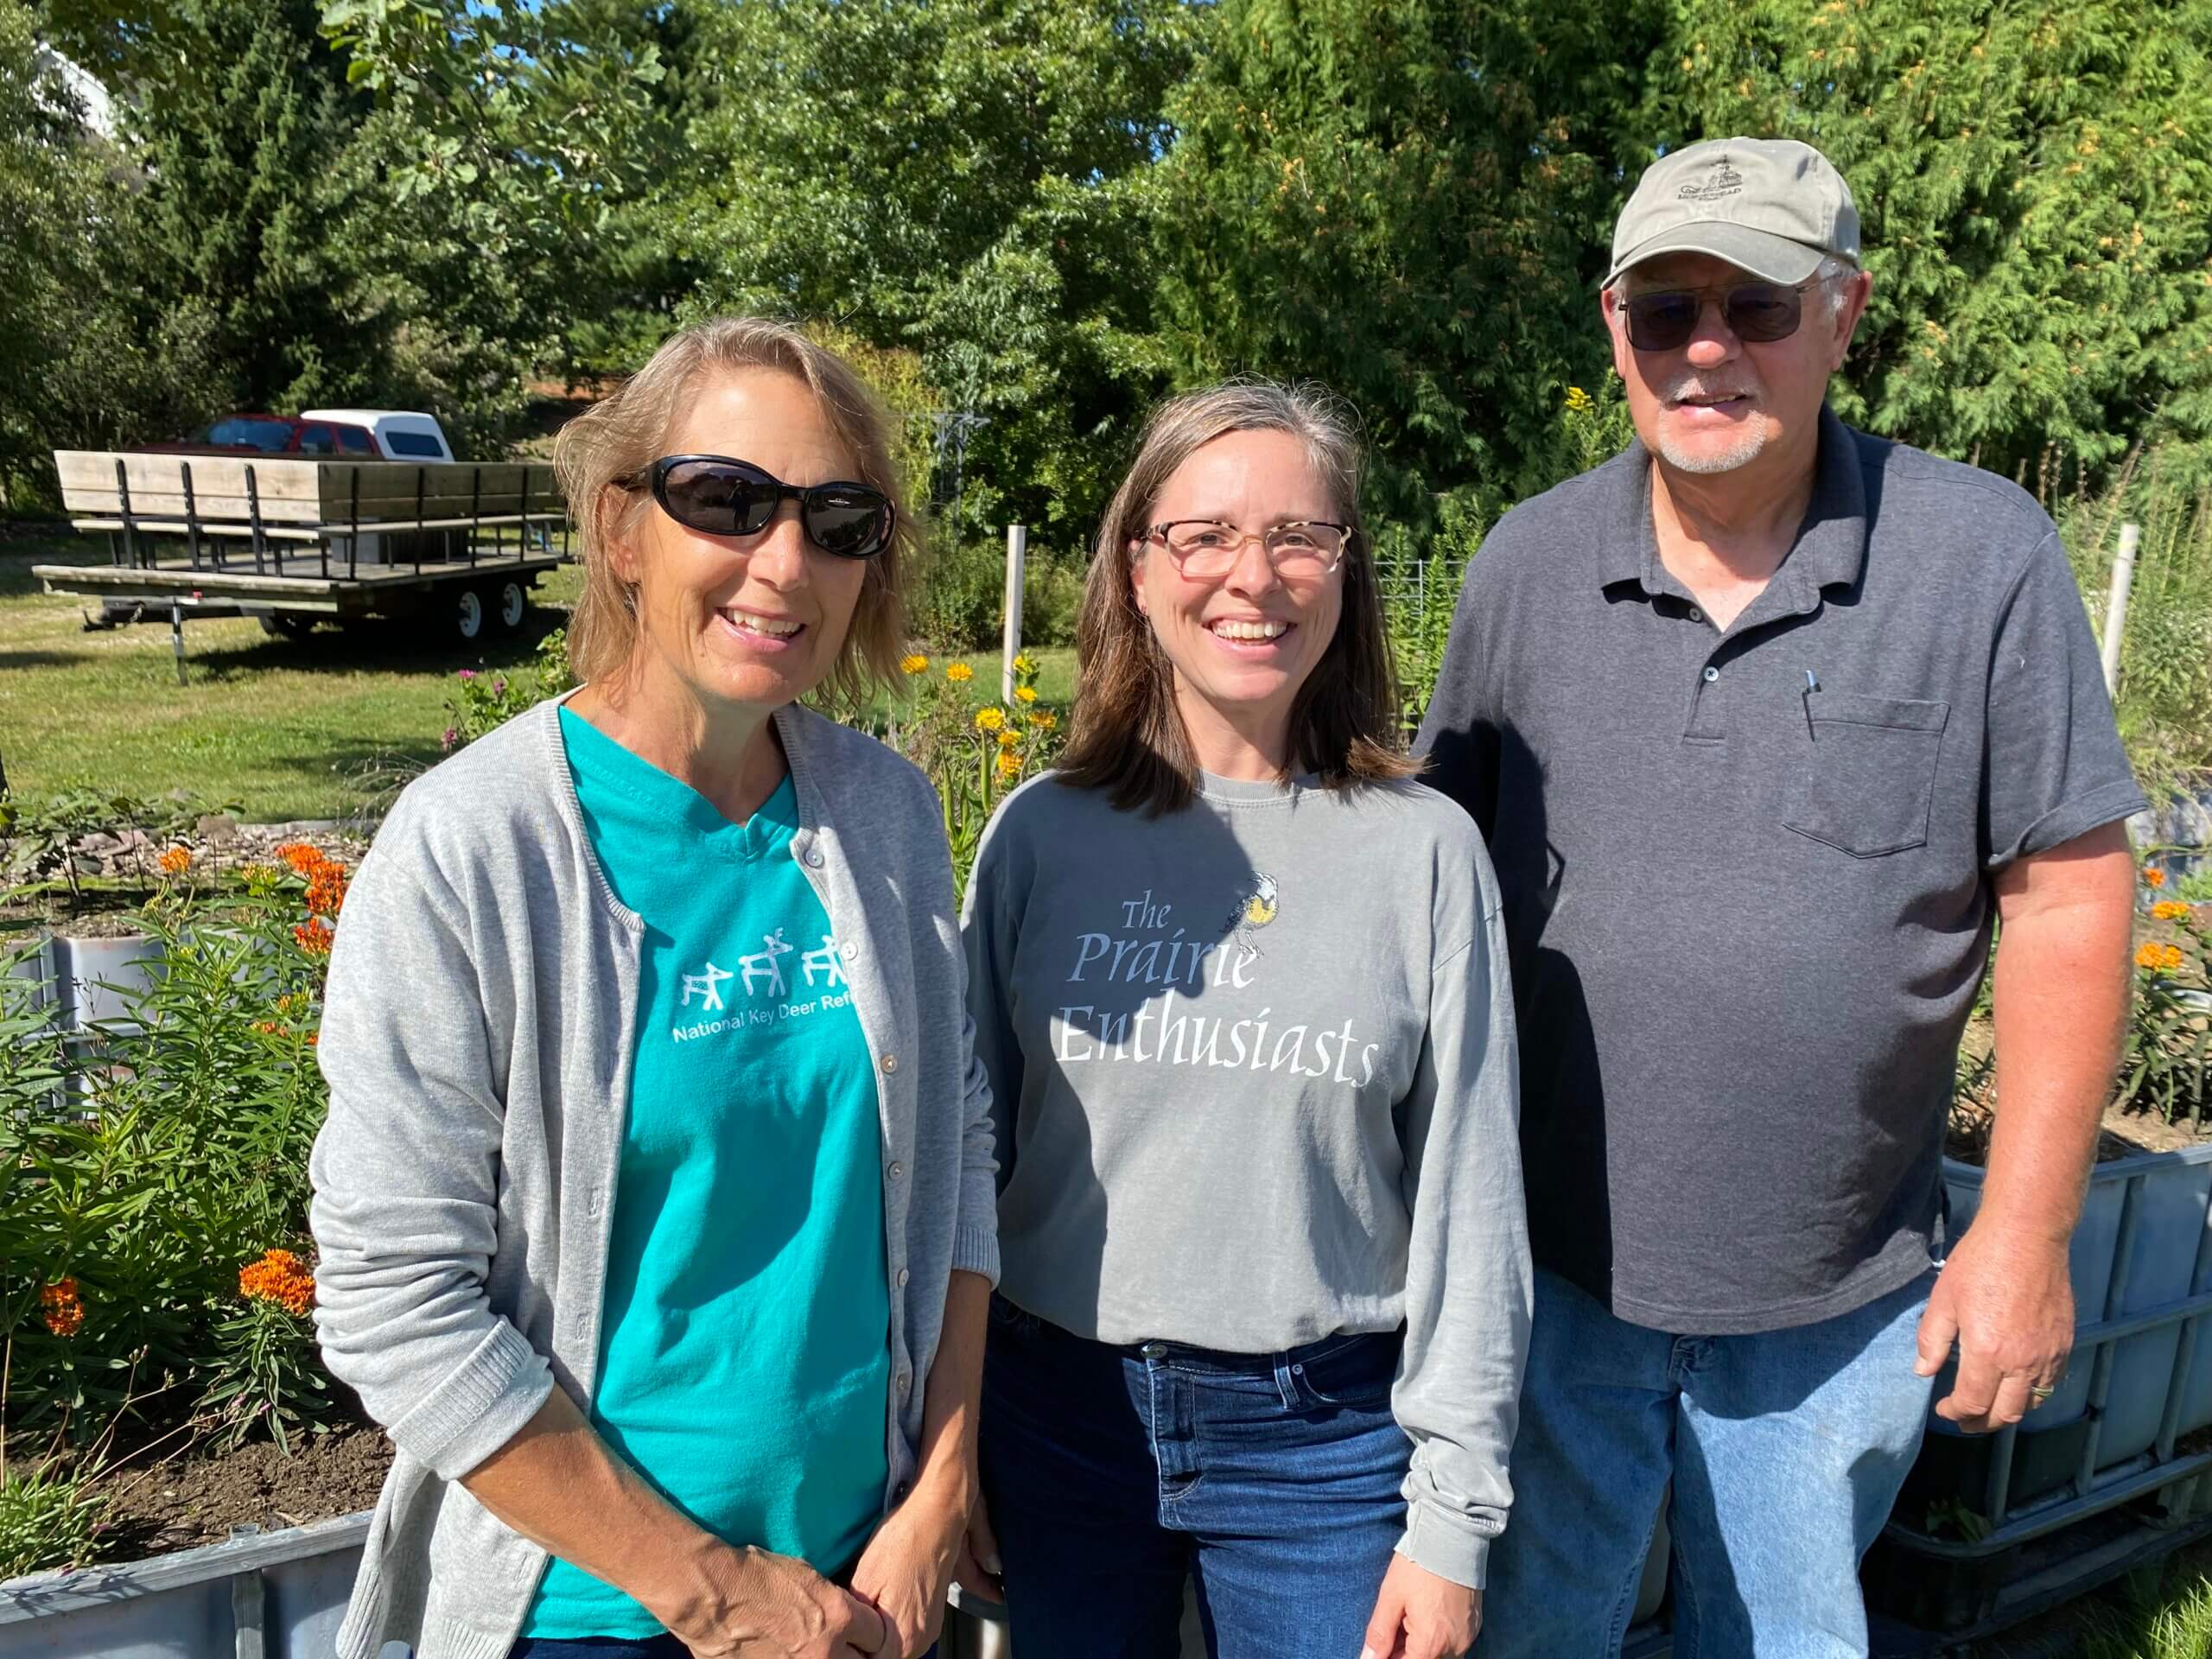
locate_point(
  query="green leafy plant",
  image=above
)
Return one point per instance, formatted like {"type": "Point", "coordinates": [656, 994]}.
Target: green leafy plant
{"type": "Point", "coordinates": [975, 750]}
{"type": "Point", "coordinates": [142, 1163]}
{"type": "Point", "coordinates": [40, 838]}
{"type": "Point", "coordinates": [2166, 1066]}
{"type": "Point", "coordinates": [264, 1375]}
{"type": "Point", "coordinates": [485, 700]}
{"type": "Point", "coordinates": [50, 1516]}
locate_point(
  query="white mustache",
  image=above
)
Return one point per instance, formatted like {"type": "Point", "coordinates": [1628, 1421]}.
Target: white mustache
{"type": "Point", "coordinates": [1693, 388]}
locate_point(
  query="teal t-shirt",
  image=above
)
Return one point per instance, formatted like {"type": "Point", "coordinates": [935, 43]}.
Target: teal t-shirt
{"type": "Point", "coordinates": [745, 1361]}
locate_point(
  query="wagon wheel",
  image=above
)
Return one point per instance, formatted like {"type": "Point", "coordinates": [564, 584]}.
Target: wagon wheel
{"type": "Point", "coordinates": [469, 613]}
{"type": "Point", "coordinates": [512, 604]}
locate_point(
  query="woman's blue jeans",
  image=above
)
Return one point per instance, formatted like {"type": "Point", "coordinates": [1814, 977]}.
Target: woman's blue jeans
{"type": "Point", "coordinates": [1113, 1474]}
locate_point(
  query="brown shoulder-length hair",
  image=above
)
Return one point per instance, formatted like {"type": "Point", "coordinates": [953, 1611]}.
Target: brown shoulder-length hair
{"type": "Point", "coordinates": [1126, 735]}
{"type": "Point", "coordinates": [603, 455]}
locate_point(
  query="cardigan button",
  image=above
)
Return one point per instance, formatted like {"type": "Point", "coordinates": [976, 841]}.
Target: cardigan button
{"type": "Point", "coordinates": [902, 1277]}
{"type": "Point", "coordinates": [814, 858]}
{"type": "Point", "coordinates": [890, 1064]}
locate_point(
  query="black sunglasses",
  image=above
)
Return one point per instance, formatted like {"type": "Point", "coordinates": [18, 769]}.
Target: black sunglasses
{"type": "Point", "coordinates": [1665, 320]}
{"type": "Point", "coordinates": [718, 495]}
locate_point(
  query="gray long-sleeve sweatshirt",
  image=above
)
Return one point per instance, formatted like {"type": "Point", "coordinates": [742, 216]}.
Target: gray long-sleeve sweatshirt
{"type": "Point", "coordinates": [1253, 1070]}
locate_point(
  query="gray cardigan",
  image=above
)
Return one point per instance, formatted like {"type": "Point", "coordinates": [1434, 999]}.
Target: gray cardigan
{"type": "Point", "coordinates": [477, 1037]}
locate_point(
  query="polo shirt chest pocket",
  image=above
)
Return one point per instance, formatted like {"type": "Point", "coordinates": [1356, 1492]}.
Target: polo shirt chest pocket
{"type": "Point", "coordinates": [1869, 774]}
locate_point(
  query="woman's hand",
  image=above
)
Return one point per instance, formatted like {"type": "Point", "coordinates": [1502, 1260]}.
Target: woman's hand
{"type": "Point", "coordinates": [1420, 1616]}
{"type": "Point", "coordinates": [978, 1573]}
{"type": "Point", "coordinates": [906, 1567]}
{"type": "Point", "coordinates": [757, 1605]}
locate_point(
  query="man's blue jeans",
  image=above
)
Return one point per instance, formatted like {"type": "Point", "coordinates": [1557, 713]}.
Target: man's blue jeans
{"type": "Point", "coordinates": [1786, 1450]}
{"type": "Point", "coordinates": [1112, 1474]}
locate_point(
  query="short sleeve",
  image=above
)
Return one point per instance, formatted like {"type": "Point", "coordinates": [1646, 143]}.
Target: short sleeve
{"type": "Point", "coordinates": [2053, 766]}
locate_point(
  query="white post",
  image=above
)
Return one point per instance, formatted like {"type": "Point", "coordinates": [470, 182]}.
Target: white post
{"type": "Point", "coordinates": [1017, 553]}
{"type": "Point", "coordinates": [2123, 578]}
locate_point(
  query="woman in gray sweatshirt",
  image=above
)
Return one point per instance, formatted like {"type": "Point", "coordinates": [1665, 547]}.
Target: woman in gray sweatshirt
{"type": "Point", "coordinates": [655, 1203]}
{"type": "Point", "coordinates": [1240, 985]}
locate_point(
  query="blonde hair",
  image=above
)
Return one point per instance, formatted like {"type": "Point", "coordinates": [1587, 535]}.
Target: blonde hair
{"type": "Point", "coordinates": [1127, 735]}
{"type": "Point", "coordinates": [603, 456]}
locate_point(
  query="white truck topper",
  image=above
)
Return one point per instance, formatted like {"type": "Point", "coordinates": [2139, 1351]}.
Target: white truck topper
{"type": "Point", "coordinates": [400, 434]}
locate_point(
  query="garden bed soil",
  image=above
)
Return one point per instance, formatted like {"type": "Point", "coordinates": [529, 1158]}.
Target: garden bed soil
{"type": "Point", "coordinates": [195, 1498]}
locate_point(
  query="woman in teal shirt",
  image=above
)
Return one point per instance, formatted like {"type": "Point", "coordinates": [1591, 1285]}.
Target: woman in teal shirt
{"type": "Point", "coordinates": [657, 992]}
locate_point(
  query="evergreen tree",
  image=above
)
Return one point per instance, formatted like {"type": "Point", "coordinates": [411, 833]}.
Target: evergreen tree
{"type": "Point", "coordinates": [2036, 190]}
{"type": "Point", "coordinates": [1409, 201]}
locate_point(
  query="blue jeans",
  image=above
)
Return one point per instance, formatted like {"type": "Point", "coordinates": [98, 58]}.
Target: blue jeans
{"type": "Point", "coordinates": [1114, 1473]}
{"type": "Point", "coordinates": [1786, 1450]}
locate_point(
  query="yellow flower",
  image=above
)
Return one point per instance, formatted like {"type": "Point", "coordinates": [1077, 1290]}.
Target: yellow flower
{"type": "Point", "coordinates": [1043, 722]}
{"type": "Point", "coordinates": [2159, 958]}
{"type": "Point", "coordinates": [1025, 663]}
{"type": "Point", "coordinates": [1025, 693]}
{"type": "Point", "coordinates": [2169, 909]}
{"type": "Point", "coordinates": [989, 719]}
{"type": "Point", "coordinates": [1009, 740]}
{"type": "Point", "coordinates": [175, 861]}
{"type": "Point", "coordinates": [1577, 398]}
{"type": "Point", "coordinates": [1009, 763]}
{"type": "Point", "coordinates": [960, 673]}
{"type": "Point", "coordinates": [914, 663]}
{"type": "Point", "coordinates": [2154, 877]}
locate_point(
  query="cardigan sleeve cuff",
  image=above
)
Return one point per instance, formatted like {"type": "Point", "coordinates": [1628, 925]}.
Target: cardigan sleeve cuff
{"type": "Point", "coordinates": [480, 1407]}
{"type": "Point", "coordinates": [1447, 1542]}
{"type": "Point", "coordinates": [976, 1249]}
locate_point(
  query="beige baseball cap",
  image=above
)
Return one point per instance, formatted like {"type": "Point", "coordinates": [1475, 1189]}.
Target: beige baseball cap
{"type": "Point", "coordinates": [1771, 206]}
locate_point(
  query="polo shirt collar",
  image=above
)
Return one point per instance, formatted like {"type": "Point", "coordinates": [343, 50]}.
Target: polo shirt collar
{"type": "Point", "coordinates": [1831, 545]}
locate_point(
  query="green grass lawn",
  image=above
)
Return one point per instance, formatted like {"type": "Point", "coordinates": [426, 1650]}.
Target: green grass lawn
{"type": "Point", "coordinates": [305, 729]}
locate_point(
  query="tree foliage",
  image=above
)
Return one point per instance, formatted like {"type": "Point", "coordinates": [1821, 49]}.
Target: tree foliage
{"type": "Point", "coordinates": [2037, 189]}
{"type": "Point", "coordinates": [1409, 201]}
{"type": "Point", "coordinates": [1045, 213]}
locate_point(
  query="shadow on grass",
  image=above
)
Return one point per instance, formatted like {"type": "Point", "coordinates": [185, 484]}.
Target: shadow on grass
{"type": "Point", "coordinates": [39, 659]}
{"type": "Point", "coordinates": [408, 644]}
{"type": "Point", "coordinates": [18, 556]}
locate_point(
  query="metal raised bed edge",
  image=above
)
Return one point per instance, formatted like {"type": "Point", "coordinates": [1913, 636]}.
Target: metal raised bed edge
{"type": "Point", "coordinates": [147, 1606]}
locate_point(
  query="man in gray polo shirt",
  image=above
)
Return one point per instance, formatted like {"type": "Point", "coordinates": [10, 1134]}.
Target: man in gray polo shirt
{"type": "Point", "coordinates": [1766, 720]}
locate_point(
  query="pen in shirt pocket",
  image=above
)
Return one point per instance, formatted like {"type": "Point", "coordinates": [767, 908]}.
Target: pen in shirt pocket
{"type": "Point", "coordinates": [1812, 684]}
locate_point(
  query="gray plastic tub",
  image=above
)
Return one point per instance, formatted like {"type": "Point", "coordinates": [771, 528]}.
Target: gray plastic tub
{"type": "Point", "coordinates": [273, 1595]}
{"type": "Point", "coordinates": [2139, 1380]}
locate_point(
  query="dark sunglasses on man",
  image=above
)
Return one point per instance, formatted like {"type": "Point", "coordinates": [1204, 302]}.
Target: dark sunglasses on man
{"type": "Point", "coordinates": [719, 495]}
{"type": "Point", "coordinates": [1759, 313]}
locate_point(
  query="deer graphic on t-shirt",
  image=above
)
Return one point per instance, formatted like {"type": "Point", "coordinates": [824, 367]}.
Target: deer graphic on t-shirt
{"type": "Point", "coordinates": [763, 963]}
{"type": "Point", "coordinates": [707, 987]}
{"type": "Point", "coordinates": [824, 962]}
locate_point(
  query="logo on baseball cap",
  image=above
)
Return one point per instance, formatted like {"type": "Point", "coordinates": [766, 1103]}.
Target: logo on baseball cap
{"type": "Point", "coordinates": [1771, 206]}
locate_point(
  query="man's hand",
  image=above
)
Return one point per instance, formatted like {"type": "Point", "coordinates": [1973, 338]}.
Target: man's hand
{"type": "Point", "coordinates": [764, 1607]}
{"type": "Point", "coordinates": [906, 1567]}
{"type": "Point", "coordinates": [2007, 1301]}
{"type": "Point", "coordinates": [1420, 1616]}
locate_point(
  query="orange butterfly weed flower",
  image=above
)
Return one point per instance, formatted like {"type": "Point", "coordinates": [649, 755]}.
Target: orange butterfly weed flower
{"type": "Point", "coordinates": [2154, 877]}
{"type": "Point", "coordinates": [279, 1277]}
{"type": "Point", "coordinates": [2169, 909]}
{"type": "Point", "coordinates": [2159, 958]}
{"type": "Point", "coordinates": [326, 890]}
{"type": "Point", "coordinates": [300, 855]}
{"type": "Point", "coordinates": [62, 1308]}
{"type": "Point", "coordinates": [175, 861]}
{"type": "Point", "coordinates": [313, 935]}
